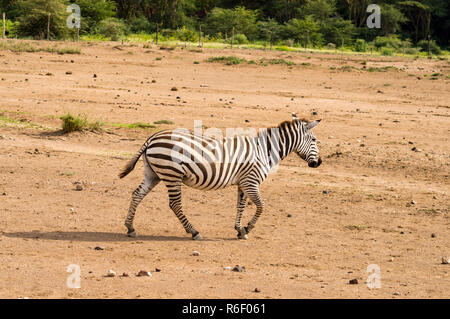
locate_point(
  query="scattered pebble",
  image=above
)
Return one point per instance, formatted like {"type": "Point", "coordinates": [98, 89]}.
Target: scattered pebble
{"type": "Point", "coordinates": [433, 235]}
{"type": "Point", "coordinates": [445, 260]}
{"type": "Point", "coordinates": [95, 75]}
{"type": "Point", "coordinates": [157, 270]}
{"type": "Point", "coordinates": [396, 293]}
{"type": "Point", "coordinates": [174, 89]}
{"type": "Point", "coordinates": [69, 72]}
{"type": "Point", "coordinates": [99, 248]}
{"type": "Point", "coordinates": [144, 273]}
{"type": "Point", "coordinates": [227, 268]}
{"type": "Point", "coordinates": [78, 187]}
{"type": "Point", "coordinates": [325, 192]}
{"type": "Point", "coordinates": [195, 253]}
{"type": "Point", "coordinates": [111, 273]}
{"type": "Point", "coordinates": [257, 290]}
{"type": "Point", "coordinates": [237, 268]}
{"type": "Point", "coordinates": [289, 215]}
{"type": "Point", "coordinates": [125, 275]}
{"type": "Point", "coordinates": [353, 282]}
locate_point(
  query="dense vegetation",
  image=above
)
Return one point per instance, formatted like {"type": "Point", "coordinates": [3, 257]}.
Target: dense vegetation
{"type": "Point", "coordinates": [405, 25]}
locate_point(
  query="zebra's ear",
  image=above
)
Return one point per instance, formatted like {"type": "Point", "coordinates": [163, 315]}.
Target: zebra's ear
{"type": "Point", "coordinates": [294, 116]}
{"type": "Point", "coordinates": [311, 125]}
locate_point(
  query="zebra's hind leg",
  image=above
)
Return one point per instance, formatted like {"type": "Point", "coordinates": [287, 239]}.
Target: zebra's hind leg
{"type": "Point", "coordinates": [149, 182]}
{"type": "Point", "coordinates": [253, 192]}
{"type": "Point", "coordinates": [174, 189]}
{"type": "Point", "coordinates": [241, 201]}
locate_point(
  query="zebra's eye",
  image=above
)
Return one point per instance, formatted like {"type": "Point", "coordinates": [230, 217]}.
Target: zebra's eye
{"type": "Point", "coordinates": [314, 139]}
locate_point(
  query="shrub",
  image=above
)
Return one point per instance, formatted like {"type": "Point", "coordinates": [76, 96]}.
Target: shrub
{"type": "Point", "coordinates": [113, 28]}
{"type": "Point", "coordinates": [140, 24]}
{"type": "Point", "coordinates": [240, 39]}
{"type": "Point", "coordinates": [392, 42]}
{"type": "Point", "coordinates": [360, 45]}
{"type": "Point", "coordinates": [229, 60]}
{"type": "Point", "coordinates": [434, 48]}
{"type": "Point", "coordinates": [387, 52]}
{"type": "Point", "coordinates": [78, 123]}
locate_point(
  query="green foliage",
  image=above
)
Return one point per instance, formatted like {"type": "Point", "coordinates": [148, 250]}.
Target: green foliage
{"type": "Point", "coordinates": [78, 123]}
{"type": "Point", "coordinates": [141, 25]}
{"type": "Point", "coordinates": [303, 30]}
{"type": "Point", "coordinates": [184, 34]}
{"type": "Point", "coordinates": [360, 45]}
{"type": "Point", "coordinates": [34, 18]}
{"type": "Point", "coordinates": [392, 18]}
{"type": "Point", "coordinates": [92, 12]}
{"type": "Point", "coordinates": [11, 28]}
{"type": "Point", "coordinates": [320, 9]}
{"type": "Point", "coordinates": [113, 28]}
{"type": "Point", "coordinates": [223, 21]}
{"type": "Point", "coordinates": [434, 48]}
{"type": "Point", "coordinates": [335, 30]}
{"type": "Point", "coordinates": [229, 60]}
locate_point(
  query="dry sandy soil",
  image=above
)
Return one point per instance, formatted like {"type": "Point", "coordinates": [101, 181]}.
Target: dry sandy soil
{"type": "Point", "coordinates": [383, 204]}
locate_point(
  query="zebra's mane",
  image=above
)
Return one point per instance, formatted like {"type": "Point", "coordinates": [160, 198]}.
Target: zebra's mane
{"type": "Point", "coordinates": [289, 123]}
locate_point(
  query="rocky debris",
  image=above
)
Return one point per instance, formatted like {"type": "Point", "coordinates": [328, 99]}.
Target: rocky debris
{"type": "Point", "coordinates": [238, 268]}
{"type": "Point", "coordinates": [433, 235]}
{"type": "Point", "coordinates": [353, 281]}
{"type": "Point", "coordinates": [325, 191]}
{"type": "Point", "coordinates": [195, 253]}
{"type": "Point", "coordinates": [257, 290]}
{"type": "Point", "coordinates": [99, 248]}
{"type": "Point", "coordinates": [95, 75]}
{"type": "Point", "coordinates": [78, 187]}
{"type": "Point", "coordinates": [396, 293]}
{"type": "Point", "coordinates": [72, 210]}
{"type": "Point", "coordinates": [289, 215]}
{"type": "Point", "coordinates": [111, 273]}
{"type": "Point", "coordinates": [68, 72]}
{"type": "Point", "coordinates": [144, 273]}
{"type": "Point", "coordinates": [227, 268]}
{"type": "Point", "coordinates": [125, 275]}
{"type": "Point", "coordinates": [157, 270]}
{"type": "Point", "coordinates": [415, 149]}
{"type": "Point", "coordinates": [174, 89]}
{"type": "Point", "coordinates": [445, 260]}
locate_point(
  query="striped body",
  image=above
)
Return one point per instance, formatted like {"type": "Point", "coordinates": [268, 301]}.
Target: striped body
{"type": "Point", "coordinates": [178, 157]}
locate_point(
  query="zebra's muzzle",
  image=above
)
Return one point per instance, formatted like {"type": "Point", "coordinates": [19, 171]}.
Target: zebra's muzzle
{"type": "Point", "coordinates": [315, 164]}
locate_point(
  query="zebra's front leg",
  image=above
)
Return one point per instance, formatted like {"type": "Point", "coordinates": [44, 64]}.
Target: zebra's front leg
{"type": "Point", "coordinates": [139, 193]}
{"type": "Point", "coordinates": [253, 193]}
{"type": "Point", "coordinates": [175, 205]}
{"type": "Point", "coordinates": [241, 202]}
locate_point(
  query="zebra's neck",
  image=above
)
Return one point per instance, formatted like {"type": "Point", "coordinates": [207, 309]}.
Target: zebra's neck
{"type": "Point", "coordinates": [275, 143]}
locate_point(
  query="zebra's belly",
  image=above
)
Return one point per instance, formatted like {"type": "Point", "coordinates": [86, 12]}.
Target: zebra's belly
{"type": "Point", "coordinates": [216, 177]}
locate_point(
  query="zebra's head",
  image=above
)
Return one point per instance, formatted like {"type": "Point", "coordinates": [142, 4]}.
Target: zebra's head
{"type": "Point", "coordinates": [307, 146]}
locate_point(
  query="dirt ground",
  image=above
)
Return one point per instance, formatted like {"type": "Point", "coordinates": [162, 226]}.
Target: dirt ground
{"type": "Point", "coordinates": [374, 200]}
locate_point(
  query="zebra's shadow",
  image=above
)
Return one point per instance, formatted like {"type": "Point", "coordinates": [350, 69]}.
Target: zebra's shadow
{"type": "Point", "coordinates": [98, 237]}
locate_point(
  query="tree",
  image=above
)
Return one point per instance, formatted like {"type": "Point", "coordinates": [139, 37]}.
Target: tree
{"type": "Point", "coordinates": [92, 12]}
{"type": "Point", "coordinates": [303, 30]}
{"type": "Point", "coordinates": [320, 9]}
{"type": "Point", "coordinates": [391, 18]}
{"type": "Point", "coordinates": [242, 19]}
{"type": "Point", "coordinates": [419, 15]}
{"type": "Point", "coordinates": [338, 29]}
{"type": "Point", "coordinates": [269, 30]}
{"type": "Point", "coordinates": [33, 18]}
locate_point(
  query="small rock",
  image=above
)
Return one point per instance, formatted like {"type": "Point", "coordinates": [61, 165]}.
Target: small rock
{"type": "Point", "coordinates": [144, 273]}
{"type": "Point", "coordinates": [99, 248]}
{"type": "Point", "coordinates": [353, 282]}
{"type": "Point", "coordinates": [174, 89]}
{"type": "Point", "coordinates": [72, 210]}
{"type": "Point", "coordinates": [111, 273]}
{"type": "Point", "coordinates": [433, 235]}
{"type": "Point", "coordinates": [289, 215]}
{"type": "Point", "coordinates": [396, 293]}
{"type": "Point", "coordinates": [157, 270]}
{"type": "Point", "coordinates": [227, 268]}
{"type": "Point", "coordinates": [391, 259]}
{"type": "Point", "coordinates": [314, 113]}
{"type": "Point", "coordinates": [3, 194]}
{"type": "Point", "coordinates": [238, 269]}
{"type": "Point", "coordinates": [325, 192]}
{"type": "Point", "coordinates": [247, 121]}
{"type": "Point", "coordinates": [95, 75]}
{"type": "Point", "coordinates": [78, 187]}
{"type": "Point", "coordinates": [69, 72]}
{"type": "Point", "coordinates": [257, 290]}
{"type": "Point", "coordinates": [195, 253]}
{"type": "Point", "coordinates": [125, 275]}
{"type": "Point", "coordinates": [413, 202]}
{"type": "Point", "coordinates": [445, 260]}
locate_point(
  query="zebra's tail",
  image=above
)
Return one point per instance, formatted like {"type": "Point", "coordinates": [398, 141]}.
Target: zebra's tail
{"type": "Point", "coordinates": [130, 165]}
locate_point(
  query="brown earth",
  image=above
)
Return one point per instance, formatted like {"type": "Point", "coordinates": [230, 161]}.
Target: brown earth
{"type": "Point", "coordinates": [383, 204]}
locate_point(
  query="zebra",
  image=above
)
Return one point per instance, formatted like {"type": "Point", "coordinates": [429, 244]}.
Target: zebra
{"type": "Point", "coordinates": [178, 157]}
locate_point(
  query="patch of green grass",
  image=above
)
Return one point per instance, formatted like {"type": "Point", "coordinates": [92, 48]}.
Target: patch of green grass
{"type": "Point", "coordinates": [196, 62]}
{"type": "Point", "coordinates": [386, 84]}
{"type": "Point", "coordinates": [19, 123]}
{"type": "Point", "coordinates": [158, 58]}
{"type": "Point", "coordinates": [22, 46]}
{"type": "Point", "coordinates": [79, 123]}
{"type": "Point", "coordinates": [137, 125]}
{"type": "Point", "coordinates": [355, 227]}
{"type": "Point", "coordinates": [278, 61]}
{"type": "Point", "coordinates": [229, 60]}
{"type": "Point", "coordinates": [163, 122]}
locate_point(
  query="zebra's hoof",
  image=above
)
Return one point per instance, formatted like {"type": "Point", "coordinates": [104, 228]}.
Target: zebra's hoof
{"type": "Point", "coordinates": [242, 236]}
{"type": "Point", "coordinates": [197, 237]}
{"type": "Point", "coordinates": [132, 234]}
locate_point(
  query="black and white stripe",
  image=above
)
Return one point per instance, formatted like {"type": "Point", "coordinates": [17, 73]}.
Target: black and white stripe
{"type": "Point", "coordinates": [179, 157]}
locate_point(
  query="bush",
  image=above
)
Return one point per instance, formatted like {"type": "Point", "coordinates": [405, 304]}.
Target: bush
{"type": "Point", "coordinates": [360, 45]}
{"type": "Point", "coordinates": [387, 52]}
{"type": "Point", "coordinates": [113, 28]}
{"type": "Point", "coordinates": [78, 123]}
{"type": "Point", "coordinates": [140, 24]}
{"type": "Point", "coordinates": [392, 42]}
{"type": "Point", "coordinates": [434, 48]}
{"type": "Point", "coordinates": [240, 39]}
{"type": "Point", "coordinates": [186, 35]}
